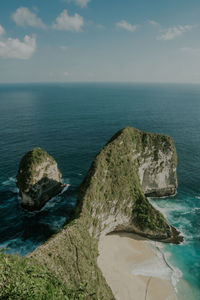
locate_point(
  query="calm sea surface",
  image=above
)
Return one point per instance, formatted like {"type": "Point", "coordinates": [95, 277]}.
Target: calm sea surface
{"type": "Point", "coordinates": [72, 122]}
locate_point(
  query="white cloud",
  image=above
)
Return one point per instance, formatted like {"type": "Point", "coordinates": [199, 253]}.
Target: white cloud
{"type": "Point", "coordinates": [2, 30]}
{"type": "Point", "coordinates": [173, 32]}
{"type": "Point", "coordinates": [66, 74]}
{"type": "Point", "coordinates": [154, 23]}
{"type": "Point", "coordinates": [191, 51]}
{"type": "Point", "coordinates": [127, 26]}
{"type": "Point", "coordinates": [24, 17]}
{"type": "Point", "coordinates": [67, 22]}
{"type": "Point", "coordinates": [81, 3]}
{"type": "Point", "coordinates": [14, 48]}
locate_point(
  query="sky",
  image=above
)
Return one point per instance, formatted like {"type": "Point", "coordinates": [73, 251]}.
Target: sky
{"type": "Point", "coordinates": [100, 41]}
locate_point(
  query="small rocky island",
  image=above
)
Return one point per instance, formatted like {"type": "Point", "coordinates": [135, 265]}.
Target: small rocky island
{"type": "Point", "coordinates": [38, 179]}
{"type": "Point", "coordinates": [111, 198]}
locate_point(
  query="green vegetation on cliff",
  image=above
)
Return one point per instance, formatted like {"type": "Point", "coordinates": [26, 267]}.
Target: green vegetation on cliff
{"type": "Point", "coordinates": [112, 186]}
{"type": "Point", "coordinates": [109, 199]}
{"type": "Point", "coordinates": [24, 279]}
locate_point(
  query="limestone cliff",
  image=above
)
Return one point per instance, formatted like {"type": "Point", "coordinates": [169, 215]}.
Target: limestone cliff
{"type": "Point", "coordinates": [38, 179]}
{"type": "Point", "coordinates": [113, 193]}
{"type": "Point", "coordinates": [111, 198]}
{"type": "Point", "coordinates": [156, 161]}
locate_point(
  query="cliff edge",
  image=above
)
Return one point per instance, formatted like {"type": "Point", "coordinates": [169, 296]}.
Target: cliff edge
{"type": "Point", "coordinates": [112, 198]}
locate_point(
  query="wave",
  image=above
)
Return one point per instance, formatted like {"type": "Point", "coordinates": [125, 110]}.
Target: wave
{"type": "Point", "coordinates": [18, 247]}
{"type": "Point", "coordinates": [158, 266]}
{"type": "Point", "coordinates": [65, 189]}
{"type": "Point", "coordinates": [10, 181]}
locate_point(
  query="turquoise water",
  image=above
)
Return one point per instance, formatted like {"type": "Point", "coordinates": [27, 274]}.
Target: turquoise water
{"type": "Point", "coordinates": [72, 122]}
{"type": "Point", "coordinates": [183, 211]}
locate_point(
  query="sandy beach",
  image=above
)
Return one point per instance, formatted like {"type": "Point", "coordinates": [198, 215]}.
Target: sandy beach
{"type": "Point", "coordinates": [133, 270]}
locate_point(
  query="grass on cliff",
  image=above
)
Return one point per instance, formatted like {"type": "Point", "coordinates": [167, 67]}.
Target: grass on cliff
{"type": "Point", "coordinates": [72, 256]}
{"type": "Point", "coordinates": [24, 279]}
{"type": "Point", "coordinates": [146, 217]}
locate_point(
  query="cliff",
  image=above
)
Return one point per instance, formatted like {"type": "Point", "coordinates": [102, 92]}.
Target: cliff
{"type": "Point", "coordinates": [38, 179]}
{"type": "Point", "coordinates": [156, 161]}
{"type": "Point", "coordinates": [113, 193]}
{"type": "Point", "coordinates": [111, 198]}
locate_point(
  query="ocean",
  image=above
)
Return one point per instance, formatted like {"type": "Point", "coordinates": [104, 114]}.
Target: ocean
{"type": "Point", "coordinates": [72, 122]}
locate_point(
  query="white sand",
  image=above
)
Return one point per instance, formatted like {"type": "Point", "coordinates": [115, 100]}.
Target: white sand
{"type": "Point", "coordinates": [132, 269]}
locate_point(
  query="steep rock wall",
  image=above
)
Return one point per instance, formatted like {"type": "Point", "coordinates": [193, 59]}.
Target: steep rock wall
{"type": "Point", "coordinates": [156, 161]}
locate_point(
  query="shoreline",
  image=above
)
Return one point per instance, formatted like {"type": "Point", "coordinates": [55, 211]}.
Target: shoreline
{"type": "Point", "coordinates": [135, 269]}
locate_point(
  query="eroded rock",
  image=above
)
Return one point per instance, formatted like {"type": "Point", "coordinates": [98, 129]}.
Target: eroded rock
{"type": "Point", "coordinates": [38, 179]}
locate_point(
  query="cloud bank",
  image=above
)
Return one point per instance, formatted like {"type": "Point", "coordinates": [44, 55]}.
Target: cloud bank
{"type": "Point", "coordinates": [24, 17]}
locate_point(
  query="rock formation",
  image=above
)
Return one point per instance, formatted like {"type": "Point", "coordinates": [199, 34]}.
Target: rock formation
{"type": "Point", "coordinates": [156, 161]}
{"type": "Point", "coordinates": [38, 179]}
{"type": "Point", "coordinates": [132, 164]}
{"type": "Point", "coordinates": [112, 198]}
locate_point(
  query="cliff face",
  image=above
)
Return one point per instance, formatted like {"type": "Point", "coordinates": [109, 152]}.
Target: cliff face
{"type": "Point", "coordinates": [132, 164]}
{"type": "Point", "coordinates": [156, 161]}
{"type": "Point", "coordinates": [111, 198]}
{"type": "Point", "coordinates": [38, 179]}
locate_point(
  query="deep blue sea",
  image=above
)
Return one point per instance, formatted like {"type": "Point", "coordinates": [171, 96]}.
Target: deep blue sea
{"type": "Point", "coordinates": [72, 122]}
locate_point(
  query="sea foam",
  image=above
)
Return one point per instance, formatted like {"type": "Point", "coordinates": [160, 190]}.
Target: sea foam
{"type": "Point", "coordinates": [158, 267]}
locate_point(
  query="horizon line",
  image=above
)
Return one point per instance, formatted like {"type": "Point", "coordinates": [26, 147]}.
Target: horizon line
{"type": "Point", "coordinates": [98, 82]}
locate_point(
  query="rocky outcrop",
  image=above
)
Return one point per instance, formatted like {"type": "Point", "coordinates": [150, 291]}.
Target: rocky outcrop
{"type": "Point", "coordinates": [132, 164]}
{"type": "Point", "coordinates": [38, 179]}
{"type": "Point", "coordinates": [112, 198]}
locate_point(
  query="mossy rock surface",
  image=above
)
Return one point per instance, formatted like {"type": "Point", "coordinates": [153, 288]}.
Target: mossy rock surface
{"type": "Point", "coordinates": [25, 279]}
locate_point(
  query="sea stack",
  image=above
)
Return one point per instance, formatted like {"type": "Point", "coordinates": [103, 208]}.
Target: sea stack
{"type": "Point", "coordinates": [38, 179]}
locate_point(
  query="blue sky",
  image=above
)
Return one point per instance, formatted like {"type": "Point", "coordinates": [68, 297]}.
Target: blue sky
{"type": "Point", "coordinates": [100, 41]}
